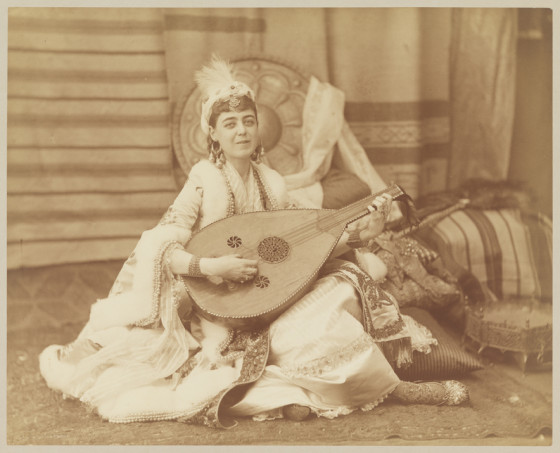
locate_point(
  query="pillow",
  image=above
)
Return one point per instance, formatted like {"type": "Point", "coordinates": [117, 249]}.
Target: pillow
{"type": "Point", "coordinates": [447, 360]}
{"type": "Point", "coordinates": [508, 250]}
{"type": "Point", "coordinates": [340, 188]}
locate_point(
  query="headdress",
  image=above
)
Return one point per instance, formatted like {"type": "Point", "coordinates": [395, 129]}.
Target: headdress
{"type": "Point", "coordinates": [216, 83]}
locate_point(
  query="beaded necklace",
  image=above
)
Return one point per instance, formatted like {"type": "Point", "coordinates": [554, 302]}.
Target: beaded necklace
{"type": "Point", "coordinates": [268, 202]}
{"type": "Point", "coordinates": [264, 193]}
{"type": "Point", "coordinates": [231, 198]}
{"type": "Point", "coordinates": [267, 199]}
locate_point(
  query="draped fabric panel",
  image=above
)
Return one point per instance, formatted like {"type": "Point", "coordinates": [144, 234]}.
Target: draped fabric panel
{"type": "Point", "coordinates": [532, 137]}
{"type": "Point", "coordinates": [483, 47]}
{"type": "Point", "coordinates": [391, 63]}
{"type": "Point", "coordinates": [192, 35]}
{"type": "Point", "coordinates": [188, 43]}
{"type": "Point", "coordinates": [92, 91]}
{"type": "Point", "coordinates": [89, 161]}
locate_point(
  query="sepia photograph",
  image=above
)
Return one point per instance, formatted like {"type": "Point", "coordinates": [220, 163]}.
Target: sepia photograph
{"type": "Point", "coordinates": [268, 225]}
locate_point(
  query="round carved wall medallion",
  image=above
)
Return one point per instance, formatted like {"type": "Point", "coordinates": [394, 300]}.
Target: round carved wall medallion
{"type": "Point", "coordinates": [280, 95]}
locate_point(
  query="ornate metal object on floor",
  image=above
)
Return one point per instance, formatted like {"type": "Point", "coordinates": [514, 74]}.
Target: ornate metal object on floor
{"type": "Point", "coordinates": [523, 327]}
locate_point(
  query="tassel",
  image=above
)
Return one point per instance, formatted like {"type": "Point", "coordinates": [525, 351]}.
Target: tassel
{"type": "Point", "coordinates": [471, 287]}
{"type": "Point", "coordinates": [409, 210]}
{"type": "Point", "coordinates": [398, 352]}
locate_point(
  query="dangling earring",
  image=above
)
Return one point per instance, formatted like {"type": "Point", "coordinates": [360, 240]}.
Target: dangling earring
{"type": "Point", "coordinates": [213, 151]}
{"type": "Point", "coordinates": [216, 155]}
{"type": "Point", "coordinates": [221, 159]}
{"type": "Point", "coordinates": [258, 154]}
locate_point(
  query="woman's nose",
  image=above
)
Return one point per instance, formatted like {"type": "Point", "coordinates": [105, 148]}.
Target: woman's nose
{"type": "Point", "coordinates": [241, 129]}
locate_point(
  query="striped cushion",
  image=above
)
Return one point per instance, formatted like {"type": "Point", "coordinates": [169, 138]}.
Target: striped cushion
{"type": "Point", "coordinates": [447, 360]}
{"type": "Point", "coordinates": [508, 251]}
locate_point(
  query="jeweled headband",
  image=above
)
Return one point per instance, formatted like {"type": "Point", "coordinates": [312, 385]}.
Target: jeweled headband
{"type": "Point", "coordinates": [217, 84]}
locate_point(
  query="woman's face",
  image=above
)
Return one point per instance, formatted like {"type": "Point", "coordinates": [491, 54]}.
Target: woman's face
{"type": "Point", "coordinates": [237, 132]}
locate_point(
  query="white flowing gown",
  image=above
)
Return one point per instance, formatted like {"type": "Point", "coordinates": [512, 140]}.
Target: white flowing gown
{"type": "Point", "coordinates": [144, 355]}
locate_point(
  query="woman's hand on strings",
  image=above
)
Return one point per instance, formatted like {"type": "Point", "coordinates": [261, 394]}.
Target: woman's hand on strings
{"type": "Point", "coordinates": [372, 225]}
{"type": "Point", "coordinates": [229, 267]}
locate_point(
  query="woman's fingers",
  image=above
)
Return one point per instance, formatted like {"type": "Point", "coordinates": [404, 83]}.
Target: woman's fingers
{"type": "Point", "coordinates": [381, 204]}
{"type": "Point", "coordinates": [244, 263]}
{"type": "Point", "coordinates": [381, 200]}
{"type": "Point", "coordinates": [249, 266]}
{"type": "Point", "coordinates": [247, 274]}
{"type": "Point", "coordinates": [247, 269]}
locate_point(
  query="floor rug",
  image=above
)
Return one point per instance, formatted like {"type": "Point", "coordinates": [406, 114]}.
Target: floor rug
{"type": "Point", "coordinates": [50, 305]}
{"type": "Point", "coordinates": [501, 405]}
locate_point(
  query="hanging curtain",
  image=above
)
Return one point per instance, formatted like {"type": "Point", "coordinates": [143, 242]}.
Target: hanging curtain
{"type": "Point", "coordinates": [91, 92]}
{"type": "Point", "coordinates": [391, 64]}
{"type": "Point", "coordinates": [531, 147]}
{"type": "Point", "coordinates": [483, 56]}
{"type": "Point", "coordinates": [192, 35]}
{"type": "Point", "coordinates": [88, 148]}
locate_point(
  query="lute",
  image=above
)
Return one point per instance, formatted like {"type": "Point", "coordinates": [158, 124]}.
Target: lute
{"type": "Point", "coordinates": [290, 245]}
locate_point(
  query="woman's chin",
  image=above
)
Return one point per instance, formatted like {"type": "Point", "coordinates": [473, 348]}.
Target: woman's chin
{"type": "Point", "coordinates": [240, 153]}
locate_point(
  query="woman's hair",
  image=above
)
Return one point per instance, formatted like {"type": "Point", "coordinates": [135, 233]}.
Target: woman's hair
{"type": "Point", "coordinates": [245, 103]}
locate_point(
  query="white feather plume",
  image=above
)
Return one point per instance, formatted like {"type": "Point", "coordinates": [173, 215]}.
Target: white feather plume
{"type": "Point", "coordinates": [210, 79]}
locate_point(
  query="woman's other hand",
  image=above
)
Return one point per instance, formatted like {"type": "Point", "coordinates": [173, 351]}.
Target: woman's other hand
{"type": "Point", "coordinates": [229, 267]}
{"type": "Point", "coordinates": [372, 225]}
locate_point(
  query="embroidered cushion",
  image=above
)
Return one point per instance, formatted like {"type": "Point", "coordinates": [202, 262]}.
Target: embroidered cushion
{"type": "Point", "coordinates": [415, 276]}
{"type": "Point", "coordinates": [447, 360]}
{"type": "Point", "coordinates": [340, 188]}
{"type": "Point", "coordinates": [508, 250]}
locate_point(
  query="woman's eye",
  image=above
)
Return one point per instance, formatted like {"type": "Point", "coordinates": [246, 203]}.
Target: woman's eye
{"type": "Point", "coordinates": [229, 125]}
{"type": "Point", "coordinates": [250, 122]}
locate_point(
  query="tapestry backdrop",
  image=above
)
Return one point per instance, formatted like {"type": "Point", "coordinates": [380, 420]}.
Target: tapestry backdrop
{"type": "Point", "coordinates": [483, 90]}
{"type": "Point", "coordinates": [89, 160]}
{"type": "Point", "coordinates": [91, 93]}
{"type": "Point", "coordinates": [397, 97]}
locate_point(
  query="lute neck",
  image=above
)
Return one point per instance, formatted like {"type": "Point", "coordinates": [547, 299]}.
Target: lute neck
{"type": "Point", "coordinates": [359, 209]}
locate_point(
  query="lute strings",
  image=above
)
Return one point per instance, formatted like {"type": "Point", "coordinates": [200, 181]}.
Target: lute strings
{"type": "Point", "coordinates": [307, 230]}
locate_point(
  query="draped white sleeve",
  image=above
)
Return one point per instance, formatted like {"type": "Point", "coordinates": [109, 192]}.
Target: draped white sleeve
{"type": "Point", "coordinates": [136, 294]}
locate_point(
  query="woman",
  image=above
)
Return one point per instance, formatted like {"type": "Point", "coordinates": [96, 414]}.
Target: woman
{"type": "Point", "coordinates": [145, 355]}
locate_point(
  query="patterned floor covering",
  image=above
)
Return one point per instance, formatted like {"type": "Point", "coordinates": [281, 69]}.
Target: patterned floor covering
{"type": "Point", "coordinates": [50, 305]}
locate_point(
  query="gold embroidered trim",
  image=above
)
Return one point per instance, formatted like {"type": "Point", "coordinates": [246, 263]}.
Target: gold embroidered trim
{"type": "Point", "coordinates": [254, 361]}
{"type": "Point", "coordinates": [170, 216]}
{"type": "Point", "coordinates": [231, 197]}
{"type": "Point", "coordinates": [345, 410]}
{"type": "Point", "coordinates": [265, 191]}
{"type": "Point", "coordinates": [325, 413]}
{"type": "Point", "coordinates": [317, 367]}
{"type": "Point", "coordinates": [373, 298]}
{"type": "Point", "coordinates": [151, 416]}
{"type": "Point", "coordinates": [159, 264]}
